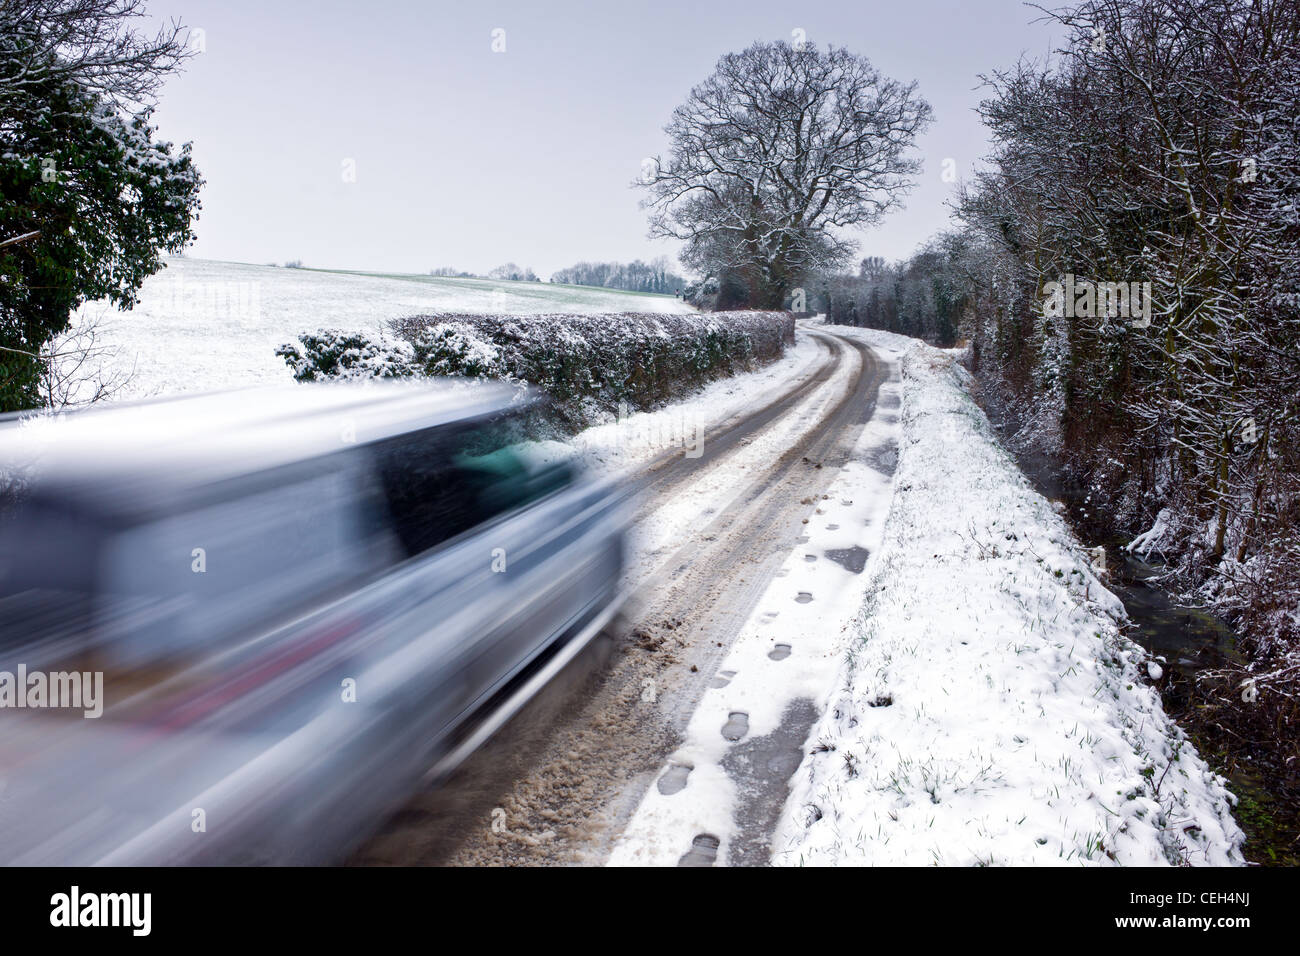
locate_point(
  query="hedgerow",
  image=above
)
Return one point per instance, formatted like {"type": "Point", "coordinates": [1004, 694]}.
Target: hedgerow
{"type": "Point", "coordinates": [588, 364]}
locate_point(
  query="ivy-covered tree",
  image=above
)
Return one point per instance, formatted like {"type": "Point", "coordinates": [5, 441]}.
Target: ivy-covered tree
{"type": "Point", "coordinates": [88, 200]}
{"type": "Point", "coordinates": [1160, 145]}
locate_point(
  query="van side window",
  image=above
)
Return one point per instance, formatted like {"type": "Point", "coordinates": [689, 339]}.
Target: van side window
{"type": "Point", "coordinates": [440, 482]}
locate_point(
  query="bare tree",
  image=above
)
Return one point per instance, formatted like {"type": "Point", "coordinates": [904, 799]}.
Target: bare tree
{"type": "Point", "coordinates": [77, 369]}
{"type": "Point", "coordinates": [92, 43]}
{"type": "Point", "coordinates": [775, 155]}
{"type": "Point", "coordinates": [80, 370]}
{"type": "Point", "coordinates": [513, 273]}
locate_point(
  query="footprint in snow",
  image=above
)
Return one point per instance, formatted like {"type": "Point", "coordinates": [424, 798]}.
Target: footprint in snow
{"type": "Point", "coordinates": [780, 652]}
{"type": "Point", "coordinates": [703, 851]}
{"type": "Point", "coordinates": [674, 779]}
{"type": "Point", "coordinates": [851, 559]}
{"type": "Point", "coordinates": [737, 725]}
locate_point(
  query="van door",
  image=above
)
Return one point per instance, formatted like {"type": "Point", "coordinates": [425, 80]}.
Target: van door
{"type": "Point", "coordinates": [509, 553]}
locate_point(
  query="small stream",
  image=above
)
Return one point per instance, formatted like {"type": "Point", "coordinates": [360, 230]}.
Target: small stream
{"type": "Point", "coordinates": [1189, 640]}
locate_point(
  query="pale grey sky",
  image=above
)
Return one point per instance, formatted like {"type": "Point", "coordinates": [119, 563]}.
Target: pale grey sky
{"type": "Point", "coordinates": [469, 158]}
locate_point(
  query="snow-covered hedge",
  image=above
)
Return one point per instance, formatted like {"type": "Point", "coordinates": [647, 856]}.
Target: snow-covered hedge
{"type": "Point", "coordinates": [331, 354]}
{"type": "Point", "coordinates": [586, 362]}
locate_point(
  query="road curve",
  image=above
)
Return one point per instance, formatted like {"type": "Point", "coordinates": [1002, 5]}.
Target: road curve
{"type": "Point", "coordinates": [558, 782]}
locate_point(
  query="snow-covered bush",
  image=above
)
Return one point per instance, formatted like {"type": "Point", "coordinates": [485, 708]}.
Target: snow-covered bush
{"type": "Point", "coordinates": [330, 353]}
{"type": "Point", "coordinates": [453, 349]}
{"type": "Point", "coordinates": [588, 363]}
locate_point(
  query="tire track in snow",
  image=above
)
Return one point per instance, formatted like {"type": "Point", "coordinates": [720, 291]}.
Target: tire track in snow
{"type": "Point", "coordinates": [559, 781]}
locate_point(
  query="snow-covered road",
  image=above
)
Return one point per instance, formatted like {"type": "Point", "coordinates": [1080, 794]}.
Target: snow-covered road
{"type": "Point", "coordinates": [857, 636]}
{"type": "Point", "coordinates": [728, 484]}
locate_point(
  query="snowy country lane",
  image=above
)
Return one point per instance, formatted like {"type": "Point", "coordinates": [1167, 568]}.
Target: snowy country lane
{"type": "Point", "coordinates": [855, 635]}
{"type": "Point", "coordinates": [574, 776]}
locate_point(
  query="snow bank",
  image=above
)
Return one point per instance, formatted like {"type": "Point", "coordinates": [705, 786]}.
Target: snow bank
{"type": "Point", "coordinates": [987, 709]}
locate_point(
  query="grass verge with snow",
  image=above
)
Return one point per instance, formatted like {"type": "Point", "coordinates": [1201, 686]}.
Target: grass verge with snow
{"type": "Point", "coordinates": [988, 709]}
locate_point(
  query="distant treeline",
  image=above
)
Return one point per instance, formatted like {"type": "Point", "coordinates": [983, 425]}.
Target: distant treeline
{"type": "Point", "coordinates": [922, 296]}
{"type": "Point", "coordinates": [508, 272]}
{"type": "Point", "coordinates": [635, 276]}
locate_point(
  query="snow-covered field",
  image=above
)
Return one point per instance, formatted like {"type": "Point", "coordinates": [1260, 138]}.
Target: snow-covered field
{"type": "Point", "coordinates": [204, 325]}
{"type": "Point", "coordinates": [987, 709]}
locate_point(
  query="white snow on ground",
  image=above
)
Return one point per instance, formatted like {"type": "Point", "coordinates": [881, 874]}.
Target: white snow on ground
{"type": "Point", "coordinates": [202, 325]}
{"type": "Point", "coordinates": [987, 710]}
{"type": "Point", "coordinates": [849, 515]}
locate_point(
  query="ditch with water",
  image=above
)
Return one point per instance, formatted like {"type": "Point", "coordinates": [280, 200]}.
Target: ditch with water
{"type": "Point", "coordinates": [1191, 642]}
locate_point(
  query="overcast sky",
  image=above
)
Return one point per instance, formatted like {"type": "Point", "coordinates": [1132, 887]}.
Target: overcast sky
{"type": "Point", "coordinates": [470, 158]}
